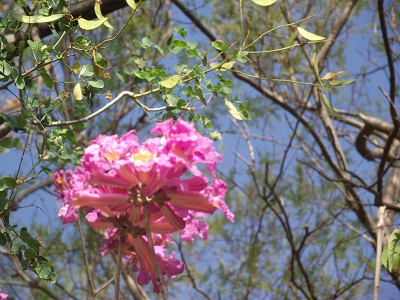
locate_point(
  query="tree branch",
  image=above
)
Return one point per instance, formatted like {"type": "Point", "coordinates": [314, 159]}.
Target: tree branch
{"type": "Point", "coordinates": [84, 9]}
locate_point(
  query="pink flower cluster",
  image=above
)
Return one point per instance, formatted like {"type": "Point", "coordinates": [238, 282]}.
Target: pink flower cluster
{"type": "Point", "coordinates": [120, 176]}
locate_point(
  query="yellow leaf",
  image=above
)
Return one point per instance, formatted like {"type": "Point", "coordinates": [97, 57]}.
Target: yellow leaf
{"type": "Point", "coordinates": [99, 15]}
{"type": "Point", "coordinates": [224, 67]}
{"type": "Point", "coordinates": [37, 19]}
{"type": "Point", "coordinates": [78, 92]}
{"type": "Point", "coordinates": [131, 3]}
{"type": "Point", "coordinates": [234, 111]}
{"type": "Point", "coordinates": [89, 24]}
{"type": "Point", "coordinates": [309, 35]}
{"type": "Point", "coordinates": [264, 2]}
{"type": "Point", "coordinates": [170, 82]}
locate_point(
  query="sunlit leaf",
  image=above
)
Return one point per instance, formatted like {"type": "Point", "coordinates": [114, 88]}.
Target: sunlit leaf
{"type": "Point", "coordinates": [234, 111]}
{"type": "Point", "coordinates": [264, 2]}
{"type": "Point", "coordinates": [131, 3]}
{"type": "Point", "coordinates": [309, 35]}
{"type": "Point", "coordinates": [96, 83]}
{"type": "Point", "coordinates": [316, 68]}
{"type": "Point", "coordinates": [37, 19]}
{"type": "Point", "coordinates": [19, 82]}
{"type": "Point", "coordinates": [215, 135]}
{"type": "Point", "coordinates": [328, 105]}
{"type": "Point", "coordinates": [99, 15]}
{"type": "Point", "coordinates": [172, 99]}
{"type": "Point", "coordinates": [224, 67]}
{"type": "Point", "coordinates": [170, 82]}
{"type": "Point", "coordinates": [90, 24]}
{"type": "Point", "coordinates": [78, 95]}
{"type": "Point", "coordinates": [335, 82]}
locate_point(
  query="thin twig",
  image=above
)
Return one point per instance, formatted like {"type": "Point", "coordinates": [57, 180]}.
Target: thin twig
{"type": "Point", "coordinates": [89, 275]}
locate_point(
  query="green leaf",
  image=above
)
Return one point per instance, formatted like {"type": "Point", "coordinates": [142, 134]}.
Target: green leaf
{"type": "Point", "coordinates": [6, 142]}
{"type": "Point", "coordinates": [177, 46]}
{"type": "Point", "coordinates": [234, 111]}
{"type": "Point", "coordinates": [147, 42]}
{"type": "Point", "coordinates": [200, 94]}
{"type": "Point", "coordinates": [385, 258]}
{"type": "Point", "coordinates": [46, 78]}
{"type": "Point", "coordinates": [181, 31]}
{"type": "Point", "coordinates": [82, 41]}
{"type": "Point", "coordinates": [18, 247]}
{"type": "Point", "coordinates": [96, 83]}
{"type": "Point", "coordinates": [336, 82]}
{"type": "Point", "coordinates": [170, 82]}
{"type": "Point", "coordinates": [30, 253]}
{"type": "Point", "coordinates": [223, 67]}
{"type": "Point", "coordinates": [3, 186]}
{"type": "Point", "coordinates": [3, 201]}
{"type": "Point", "coordinates": [9, 181]}
{"type": "Point", "coordinates": [37, 19]}
{"type": "Point", "coordinates": [19, 82]}
{"type": "Point", "coordinates": [17, 143]}
{"type": "Point", "coordinates": [90, 24]}
{"type": "Point", "coordinates": [159, 49]}
{"type": "Point", "coordinates": [328, 105]}
{"type": "Point", "coordinates": [264, 2]}
{"type": "Point", "coordinates": [316, 68]}
{"type": "Point", "coordinates": [219, 46]}
{"type": "Point", "coordinates": [3, 239]}
{"type": "Point", "coordinates": [131, 3]}
{"type": "Point", "coordinates": [393, 250]}
{"type": "Point", "coordinates": [5, 68]}
{"type": "Point", "coordinates": [122, 76]}
{"type": "Point", "coordinates": [25, 235]}
{"type": "Point", "coordinates": [172, 99]}
{"type": "Point", "coordinates": [309, 35]}
{"type": "Point", "coordinates": [34, 244]}
{"type": "Point", "coordinates": [43, 270]}
{"type": "Point", "coordinates": [86, 70]}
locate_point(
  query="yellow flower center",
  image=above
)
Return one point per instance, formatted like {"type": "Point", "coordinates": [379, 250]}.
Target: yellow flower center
{"type": "Point", "coordinates": [142, 155]}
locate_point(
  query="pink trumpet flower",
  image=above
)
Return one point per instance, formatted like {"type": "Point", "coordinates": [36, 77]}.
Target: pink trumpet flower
{"type": "Point", "coordinates": [119, 176]}
{"type": "Point", "coordinates": [3, 296]}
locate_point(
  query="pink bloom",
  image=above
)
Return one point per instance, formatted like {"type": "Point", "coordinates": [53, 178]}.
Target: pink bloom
{"type": "Point", "coordinates": [119, 176]}
{"type": "Point", "coordinates": [3, 296]}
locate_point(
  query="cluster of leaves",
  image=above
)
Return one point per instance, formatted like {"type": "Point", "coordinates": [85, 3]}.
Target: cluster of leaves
{"type": "Point", "coordinates": [26, 249]}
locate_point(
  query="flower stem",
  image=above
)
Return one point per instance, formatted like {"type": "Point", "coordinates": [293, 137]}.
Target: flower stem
{"type": "Point", "coordinates": [89, 274]}
{"type": "Point", "coordinates": [159, 277]}
{"type": "Point", "coordinates": [119, 269]}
